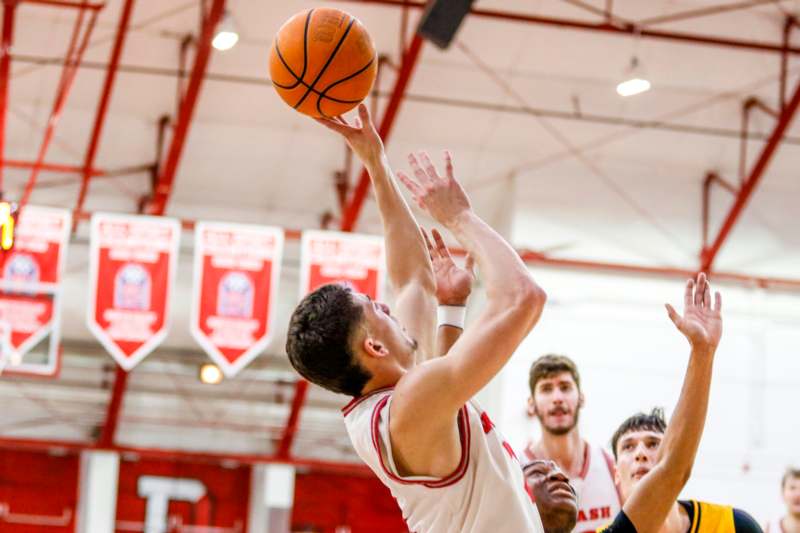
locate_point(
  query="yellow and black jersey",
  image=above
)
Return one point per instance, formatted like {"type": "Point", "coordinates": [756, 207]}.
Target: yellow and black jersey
{"type": "Point", "coordinates": [703, 518]}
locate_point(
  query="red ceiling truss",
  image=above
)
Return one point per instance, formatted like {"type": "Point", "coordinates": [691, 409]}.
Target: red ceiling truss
{"type": "Point", "coordinates": [607, 23]}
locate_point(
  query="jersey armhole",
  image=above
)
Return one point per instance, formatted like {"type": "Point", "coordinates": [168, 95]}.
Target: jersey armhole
{"type": "Point", "coordinates": [379, 444]}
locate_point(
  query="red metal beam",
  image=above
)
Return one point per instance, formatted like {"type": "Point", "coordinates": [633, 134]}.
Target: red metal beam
{"type": "Point", "coordinates": [72, 62]}
{"type": "Point", "coordinates": [292, 422]}
{"type": "Point", "coordinates": [707, 255]}
{"type": "Point", "coordinates": [49, 167]}
{"type": "Point", "coordinates": [9, 12]}
{"type": "Point", "coordinates": [66, 3]}
{"type": "Point", "coordinates": [410, 59]}
{"type": "Point", "coordinates": [105, 98]}
{"type": "Point", "coordinates": [185, 456]}
{"type": "Point", "coordinates": [166, 177]}
{"type": "Point", "coordinates": [606, 27]}
{"type": "Point", "coordinates": [109, 432]}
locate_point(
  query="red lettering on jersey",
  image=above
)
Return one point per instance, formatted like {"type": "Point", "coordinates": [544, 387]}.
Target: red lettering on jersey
{"type": "Point", "coordinates": [487, 423]}
{"type": "Point", "coordinates": [605, 512]}
{"type": "Point", "coordinates": [581, 516]}
{"type": "Point", "coordinates": [593, 514]}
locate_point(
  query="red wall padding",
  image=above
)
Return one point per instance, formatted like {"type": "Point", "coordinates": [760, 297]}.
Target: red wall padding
{"type": "Point", "coordinates": [326, 501]}
{"type": "Point", "coordinates": [228, 492]}
{"type": "Point", "coordinates": [36, 485]}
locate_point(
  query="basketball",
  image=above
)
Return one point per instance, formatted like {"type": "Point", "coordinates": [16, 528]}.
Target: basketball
{"type": "Point", "coordinates": [322, 62]}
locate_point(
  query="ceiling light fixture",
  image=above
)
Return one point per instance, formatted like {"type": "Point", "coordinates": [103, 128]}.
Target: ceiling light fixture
{"type": "Point", "coordinates": [226, 36]}
{"type": "Point", "coordinates": [210, 374]}
{"type": "Point", "coordinates": [635, 80]}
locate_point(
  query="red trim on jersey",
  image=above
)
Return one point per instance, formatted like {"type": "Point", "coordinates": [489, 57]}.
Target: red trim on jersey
{"type": "Point", "coordinates": [454, 477]}
{"type": "Point", "coordinates": [612, 470]}
{"type": "Point", "coordinates": [587, 457]}
{"type": "Point", "coordinates": [347, 409]}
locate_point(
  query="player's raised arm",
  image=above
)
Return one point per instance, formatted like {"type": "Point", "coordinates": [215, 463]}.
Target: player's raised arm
{"type": "Point", "coordinates": [701, 324]}
{"type": "Point", "coordinates": [409, 267]}
{"type": "Point", "coordinates": [432, 393]}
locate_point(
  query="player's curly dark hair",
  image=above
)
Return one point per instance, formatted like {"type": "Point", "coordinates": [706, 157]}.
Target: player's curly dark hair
{"type": "Point", "coordinates": [654, 421]}
{"type": "Point", "coordinates": [319, 340]}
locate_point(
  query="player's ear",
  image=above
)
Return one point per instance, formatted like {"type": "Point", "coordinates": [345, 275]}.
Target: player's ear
{"type": "Point", "coordinates": [374, 347]}
{"type": "Point", "coordinates": [531, 407]}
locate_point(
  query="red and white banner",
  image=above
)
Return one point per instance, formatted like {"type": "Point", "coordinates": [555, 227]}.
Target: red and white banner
{"type": "Point", "coordinates": [132, 263]}
{"type": "Point", "coordinates": [236, 272]}
{"type": "Point", "coordinates": [29, 277]}
{"type": "Point", "coordinates": [331, 256]}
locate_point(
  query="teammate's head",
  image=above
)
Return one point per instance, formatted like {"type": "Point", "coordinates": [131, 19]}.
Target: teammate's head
{"type": "Point", "coordinates": [635, 446]}
{"type": "Point", "coordinates": [790, 487]}
{"type": "Point", "coordinates": [554, 496]}
{"type": "Point", "coordinates": [340, 339]}
{"type": "Point", "coordinates": [556, 397]}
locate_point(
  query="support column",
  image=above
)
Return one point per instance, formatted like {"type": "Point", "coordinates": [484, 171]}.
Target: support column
{"type": "Point", "coordinates": [271, 498]}
{"type": "Point", "coordinates": [97, 498]}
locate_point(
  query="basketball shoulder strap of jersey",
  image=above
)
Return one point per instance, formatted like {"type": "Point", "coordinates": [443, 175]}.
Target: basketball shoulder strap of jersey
{"type": "Point", "coordinates": [711, 518]}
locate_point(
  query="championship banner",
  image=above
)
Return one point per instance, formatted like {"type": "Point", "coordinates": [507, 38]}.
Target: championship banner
{"type": "Point", "coordinates": [331, 256]}
{"type": "Point", "coordinates": [132, 263]}
{"type": "Point", "coordinates": [29, 277]}
{"type": "Point", "coordinates": [236, 272]}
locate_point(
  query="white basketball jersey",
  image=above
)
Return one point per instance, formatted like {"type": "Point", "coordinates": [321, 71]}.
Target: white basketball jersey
{"type": "Point", "coordinates": [486, 492]}
{"type": "Point", "coordinates": [774, 526]}
{"type": "Point", "coordinates": [598, 497]}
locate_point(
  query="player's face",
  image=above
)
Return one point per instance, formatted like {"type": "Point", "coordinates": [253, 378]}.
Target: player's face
{"type": "Point", "coordinates": [554, 496]}
{"type": "Point", "coordinates": [382, 325]}
{"type": "Point", "coordinates": [557, 401]}
{"type": "Point", "coordinates": [791, 495]}
{"type": "Point", "coordinates": [636, 456]}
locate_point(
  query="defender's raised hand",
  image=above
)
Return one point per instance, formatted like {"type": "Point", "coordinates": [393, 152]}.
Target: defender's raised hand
{"type": "Point", "coordinates": [441, 196]}
{"type": "Point", "coordinates": [361, 136]}
{"type": "Point", "coordinates": [701, 322]}
{"type": "Point", "coordinates": [453, 283]}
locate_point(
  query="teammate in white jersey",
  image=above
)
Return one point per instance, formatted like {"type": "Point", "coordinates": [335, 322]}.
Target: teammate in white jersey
{"type": "Point", "coordinates": [556, 400]}
{"type": "Point", "coordinates": [790, 490]}
{"type": "Point", "coordinates": [412, 420]}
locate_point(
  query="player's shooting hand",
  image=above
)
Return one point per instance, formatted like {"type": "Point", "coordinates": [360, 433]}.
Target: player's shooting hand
{"type": "Point", "coordinates": [453, 283]}
{"type": "Point", "coordinates": [441, 196]}
{"type": "Point", "coordinates": [361, 136]}
{"type": "Point", "coordinates": [701, 322]}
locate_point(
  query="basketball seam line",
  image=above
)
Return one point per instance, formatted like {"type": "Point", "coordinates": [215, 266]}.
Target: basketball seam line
{"type": "Point", "coordinates": [327, 63]}
{"type": "Point", "coordinates": [305, 56]}
{"type": "Point", "coordinates": [324, 94]}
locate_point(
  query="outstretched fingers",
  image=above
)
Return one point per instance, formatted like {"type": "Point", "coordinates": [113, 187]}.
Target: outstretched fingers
{"type": "Point", "coordinates": [441, 247]}
{"type": "Point", "coordinates": [717, 302]}
{"type": "Point", "coordinates": [431, 249]}
{"type": "Point", "coordinates": [673, 315]}
{"type": "Point", "coordinates": [688, 295]}
{"type": "Point", "coordinates": [448, 165]}
{"type": "Point", "coordinates": [412, 186]}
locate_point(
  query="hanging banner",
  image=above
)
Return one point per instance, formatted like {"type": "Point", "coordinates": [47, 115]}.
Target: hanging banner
{"type": "Point", "coordinates": [36, 260]}
{"type": "Point", "coordinates": [132, 262]}
{"type": "Point", "coordinates": [236, 272]}
{"type": "Point", "coordinates": [29, 277]}
{"type": "Point", "coordinates": [331, 256]}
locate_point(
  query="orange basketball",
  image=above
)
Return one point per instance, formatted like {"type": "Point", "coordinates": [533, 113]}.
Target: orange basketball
{"type": "Point", "coordinates": [322, 62]}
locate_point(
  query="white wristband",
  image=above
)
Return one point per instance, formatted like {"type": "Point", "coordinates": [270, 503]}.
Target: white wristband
{"type": "Point", "coordinates": [451, 315]}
